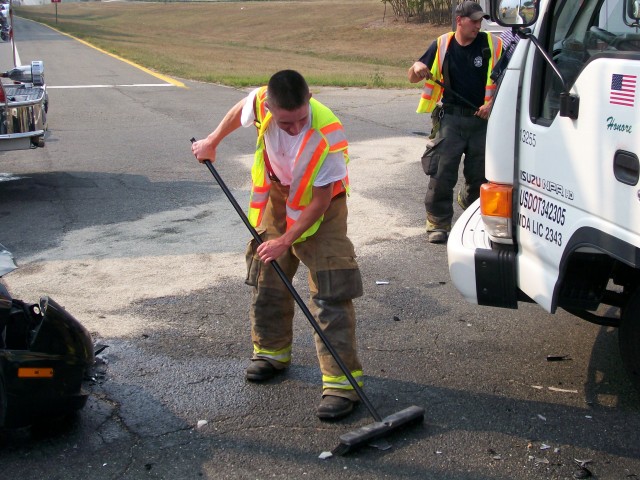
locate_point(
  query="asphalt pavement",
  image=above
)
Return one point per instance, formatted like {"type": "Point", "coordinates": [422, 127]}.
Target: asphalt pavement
{"type": "Point", "coordinates": [115, 220]}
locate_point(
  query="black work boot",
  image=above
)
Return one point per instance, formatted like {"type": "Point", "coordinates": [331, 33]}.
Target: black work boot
{"type": "Point", "coordinates": [260, 371]}
{"type": "Point", "coordinates": [437, 232]}
{"type": "Point", "coordinates": [437, 236]}
{"type": "Point", "coordinates": [332, 407]}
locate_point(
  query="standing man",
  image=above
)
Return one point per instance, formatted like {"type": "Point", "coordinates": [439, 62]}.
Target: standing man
{"type": "Point", "coordinates": [299, 207]}
{"type": "Point", "coordinates": [462, 61]}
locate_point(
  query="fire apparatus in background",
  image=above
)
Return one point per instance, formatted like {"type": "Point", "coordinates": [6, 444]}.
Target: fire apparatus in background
{"type": "Point", "coordinates": [558, 222]}
{"type": "Point", "coordinates": [23, 95]}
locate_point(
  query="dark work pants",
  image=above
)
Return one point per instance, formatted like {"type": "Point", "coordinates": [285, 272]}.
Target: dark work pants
{"type": "Point", "coordinates": [457, 135]}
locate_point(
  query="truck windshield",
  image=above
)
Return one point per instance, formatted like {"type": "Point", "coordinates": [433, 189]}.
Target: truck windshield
{"type": "Point", "coordinates": [578, 31]}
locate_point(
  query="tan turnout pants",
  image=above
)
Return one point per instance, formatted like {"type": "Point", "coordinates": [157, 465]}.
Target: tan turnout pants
{"type": "Point", "coordinates": [334, 280]}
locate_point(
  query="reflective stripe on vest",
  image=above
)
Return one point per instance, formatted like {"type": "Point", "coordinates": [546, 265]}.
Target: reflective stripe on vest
{"type": "Point", "coordinates": [325, 136]}
{"type": "Point", "coordinates": [432, 92]}
{"type": "Point", "coordinates": [334, 132]}
{"type": "Point", "coordinates": [496, 52]}
{"type": "Point", "coordinates": [342, 382]}
{"type": "Point", "coordinates": [283, 355]}
{"type": "Point", "coordinates": [258, 202]}
{"type": "Point", "coordinates": [261, 183]}
{"type": "Point", "coordinates": [261, 110]}
{"type": "Point", "coordinates": [312, 152]}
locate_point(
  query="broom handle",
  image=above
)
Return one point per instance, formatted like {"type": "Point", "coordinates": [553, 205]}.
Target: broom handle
{"type": "Point", "coordinates": [456, 94]}
{"type": "Point", "coordinates": [295, 294]}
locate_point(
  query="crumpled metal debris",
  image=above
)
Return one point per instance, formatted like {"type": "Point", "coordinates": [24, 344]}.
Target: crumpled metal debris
{"type": "Point", "coordinates": [563, 390]}
{"type": "Point", "coordinates": [583, 471]}
{"type": "Point", "coordinates": [557, 358]}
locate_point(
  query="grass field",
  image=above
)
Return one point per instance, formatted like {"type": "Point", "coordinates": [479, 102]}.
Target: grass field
{"type": "Point", "coordinates": [338, 43]}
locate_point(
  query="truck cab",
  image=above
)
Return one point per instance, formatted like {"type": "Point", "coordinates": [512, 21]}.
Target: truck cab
{"type": "Point", "coordinates": [558, 221]}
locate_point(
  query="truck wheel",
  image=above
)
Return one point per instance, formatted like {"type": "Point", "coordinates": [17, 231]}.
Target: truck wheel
{"type": "Point", "coordinates": [629, 338]}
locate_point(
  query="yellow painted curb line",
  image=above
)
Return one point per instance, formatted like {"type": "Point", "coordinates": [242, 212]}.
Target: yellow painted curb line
{"type": "Point", "coordinates": [165, 78]}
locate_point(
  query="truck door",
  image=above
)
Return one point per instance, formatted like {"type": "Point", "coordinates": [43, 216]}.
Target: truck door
{"type": "Point", "coordinates": [577, 178]}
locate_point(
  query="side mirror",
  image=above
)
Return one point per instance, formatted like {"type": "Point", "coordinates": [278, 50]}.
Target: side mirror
{"type": "Point", "coordinates": [515, 13]}
{"type": "Point", "coordinates": [33, 73]}
{"type": "Point", "coordinates": [633, 9]}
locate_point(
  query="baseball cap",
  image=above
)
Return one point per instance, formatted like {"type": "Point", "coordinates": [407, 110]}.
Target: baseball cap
{"type": "Point", "coordinates": [470, 9]}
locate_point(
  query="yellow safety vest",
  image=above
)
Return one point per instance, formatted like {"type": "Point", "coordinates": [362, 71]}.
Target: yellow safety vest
{"type": "Point", "coordinates": [325, 136]}
{"type": "Point", "coordinates": [432, 92]}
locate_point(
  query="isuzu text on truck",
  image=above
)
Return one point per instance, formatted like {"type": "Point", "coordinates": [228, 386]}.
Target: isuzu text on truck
{"type": "Point", "coordinates": [558, 222]}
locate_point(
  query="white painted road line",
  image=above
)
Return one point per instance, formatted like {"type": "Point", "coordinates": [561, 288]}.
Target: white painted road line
{"type": "Point", "coordinates": [111, 86]}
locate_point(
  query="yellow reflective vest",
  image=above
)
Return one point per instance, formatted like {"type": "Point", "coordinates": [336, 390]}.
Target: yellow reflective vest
{"type": "Point", "coordinates": [325, 136]}
{"type": "Point", "coordinates": [432, 92]}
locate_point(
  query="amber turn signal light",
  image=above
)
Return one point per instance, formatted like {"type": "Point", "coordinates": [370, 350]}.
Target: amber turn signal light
{"type": "Point", "coordinates": [495, 200]}
{"type": "Point", "coordinates": [35, 372]}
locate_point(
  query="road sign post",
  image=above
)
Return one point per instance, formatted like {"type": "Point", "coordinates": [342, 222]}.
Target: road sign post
{"type": "Point", "coordinates": [56, 2]}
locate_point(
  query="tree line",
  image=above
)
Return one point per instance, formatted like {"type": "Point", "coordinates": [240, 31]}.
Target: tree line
{"type": "Point", "coordinates": [437, 12]}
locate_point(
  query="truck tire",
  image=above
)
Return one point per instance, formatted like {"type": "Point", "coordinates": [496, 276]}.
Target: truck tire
{"type": "Point", "coordinates": [629, 337]}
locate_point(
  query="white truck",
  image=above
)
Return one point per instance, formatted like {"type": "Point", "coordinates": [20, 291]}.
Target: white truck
{"type": "Point", "coordinates": [558, 222]}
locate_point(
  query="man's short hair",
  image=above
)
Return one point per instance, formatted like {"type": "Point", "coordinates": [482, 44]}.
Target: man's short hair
{"type": "Point", "coordinates": [287, 89]}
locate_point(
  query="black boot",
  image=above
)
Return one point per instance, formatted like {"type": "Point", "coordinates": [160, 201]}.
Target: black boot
{"type": "Point", "coordinates": [332, 407]}
{"type": "Point", "coordinates": [260, 371]}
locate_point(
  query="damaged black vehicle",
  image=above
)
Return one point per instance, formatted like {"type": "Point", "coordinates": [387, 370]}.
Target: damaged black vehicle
{"type": "Point", "coordinates": [45, 354]}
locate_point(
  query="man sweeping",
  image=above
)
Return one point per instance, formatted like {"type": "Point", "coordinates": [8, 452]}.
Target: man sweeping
{"type": "Point", "coordinates": [298, 206]}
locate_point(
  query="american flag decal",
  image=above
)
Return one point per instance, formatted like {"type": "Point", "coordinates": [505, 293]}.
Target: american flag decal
{"type": "Point", "coordinates": [623, 90]}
